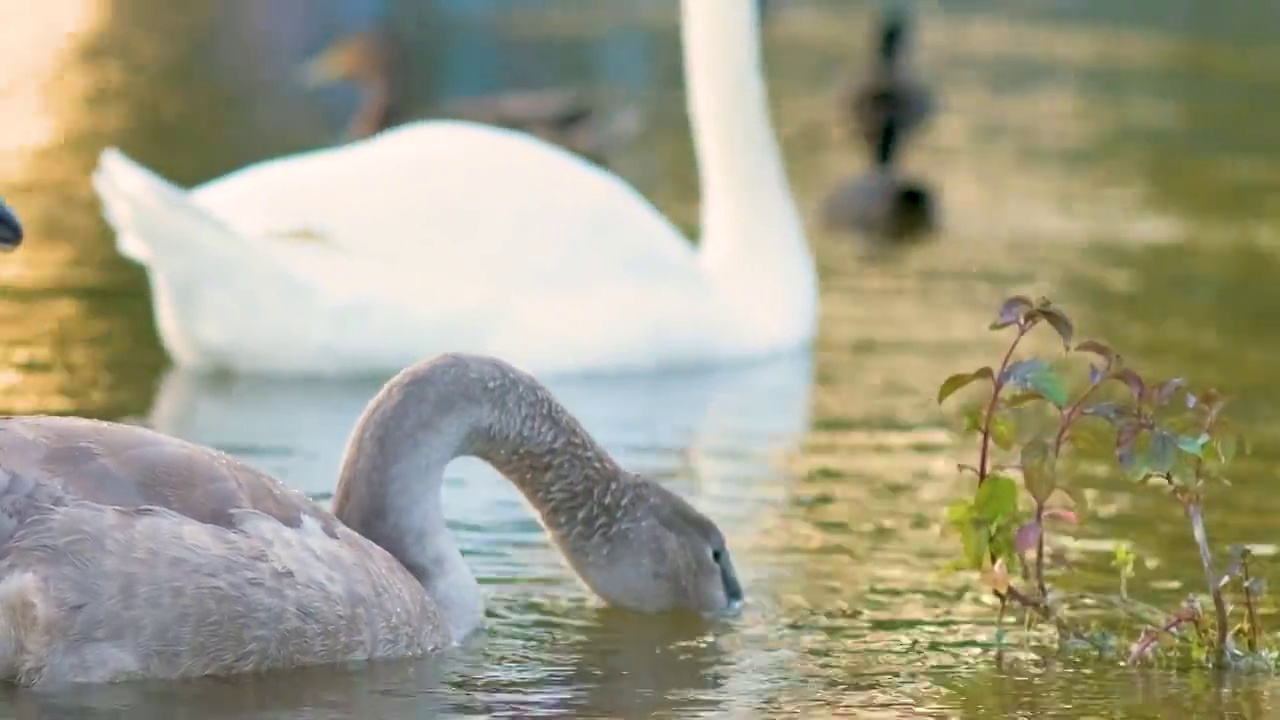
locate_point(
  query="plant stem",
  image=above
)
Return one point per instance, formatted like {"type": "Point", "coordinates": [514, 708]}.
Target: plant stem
{"type": "Point", "coordinates": [1069, 416]}
{"type": "Point", "coordinates": [1042, 608]}
{"type": "Point", "coordinates": [997, 384]}
{"type": "Point", "coordinates": [1040, 583]}
{"type": "Point", "coordinates": [1149, 638]}
{"type": "Point", "coordinates": [1195, 512]}
{"type": "Point", "coordinates": [1249, 609]}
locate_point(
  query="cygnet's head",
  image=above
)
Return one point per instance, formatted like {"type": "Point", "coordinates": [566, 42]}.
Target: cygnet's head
{"type": "Point", "coordinates": [659, 554]}
{"type": "Point", "coordinates": [10, 229]}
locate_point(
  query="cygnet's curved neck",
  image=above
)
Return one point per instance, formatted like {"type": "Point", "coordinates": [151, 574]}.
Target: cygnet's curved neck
{"type": "Point", "coordinates": [461, 405]}
{"type": "Point", "coordinates": [753, 239]}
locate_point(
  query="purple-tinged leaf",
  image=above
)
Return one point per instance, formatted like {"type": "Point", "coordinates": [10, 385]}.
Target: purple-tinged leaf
{"type": "Point", "coordinates": [1027, 537]}
{"type": "Point", "coordinates": [960, 380]}
{"type": "Point", "coordinates": [1108, 410]}
{"type": "Point", "coordinates": [1062, 514]}
{"type": "Point", "coordinates": [1165, 390]}
{"type": "Point", "coordinates": [1060, 323]}
{"type": "Point", "coordinates": [1096, 374]}
{"type": "Point", "coordinates": [1038, 470]}
{"type": "Point", "coordinates": [1100, 349]}
{"type": "Point", "coordinates": [1133, 380]}
{"type": "Point", "coordinates": [1012, 312]}
{"type": "Point", "coordinates": [1144, 647]}
{"type": "Point", "coordinates": [1126, 442]}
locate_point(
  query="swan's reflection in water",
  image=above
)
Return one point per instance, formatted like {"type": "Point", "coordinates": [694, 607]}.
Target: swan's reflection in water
{"type": "Point", "coordinates": [713, 435]}
{"type": "Point", "coordinates": [604, 664]}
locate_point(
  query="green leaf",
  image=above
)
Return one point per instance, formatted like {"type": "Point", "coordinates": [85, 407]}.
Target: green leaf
{"type": "Point", "coordinates": [996, 499]}
{"type": "Point", "coordinates": [1193, 445]}
{"type": "Point", "coordinates": [1226, 446]}
{"type": "Point", "coordinates": [1003, 432]}
{"type": "Point", "coordinates": [1002, 543]}
{"type": "Point", "coordinates": [975, 546]}
{"type": "Point", "coordinates": [1021, 399]}
{"type": "Point", "coordinates": [960, 380]}
{"type": "Point", "coordinates": [1160, 457]}
{"type": "Point", "coordinates": [1036, 375]}
{"type": "Point", "coordinates": [1038, 470]}
{"type": "Point", "coordinates": [1110, 411]}
{"type": "Point", "coordinates": [960, 513]}
{"type": "Point", "coordinates": [1079, 502]}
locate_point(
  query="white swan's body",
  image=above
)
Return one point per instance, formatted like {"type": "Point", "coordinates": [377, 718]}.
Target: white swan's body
{"type": "Point", "coordinates": [446, 235]}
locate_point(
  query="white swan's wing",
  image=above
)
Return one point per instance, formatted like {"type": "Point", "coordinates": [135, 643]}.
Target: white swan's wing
{"type": "Point", "coordinates": [473, 200]}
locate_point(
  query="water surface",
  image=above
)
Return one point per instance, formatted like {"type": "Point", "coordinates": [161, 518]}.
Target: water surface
{"type": "Point", "coordinates": [1118, 157]}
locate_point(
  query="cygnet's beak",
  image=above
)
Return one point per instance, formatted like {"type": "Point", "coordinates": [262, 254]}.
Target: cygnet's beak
{"type": "Point", "coordinates": [325, 68]}
{"type": "Point", "coordinates": [10, 229]}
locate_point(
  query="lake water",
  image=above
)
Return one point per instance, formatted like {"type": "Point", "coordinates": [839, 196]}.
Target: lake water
{"type": "Point", "coordinates": [1119, 157]}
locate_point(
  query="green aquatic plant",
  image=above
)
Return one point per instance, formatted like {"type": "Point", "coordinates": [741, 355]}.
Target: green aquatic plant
{"type": "Point", "coordinates": [1031, 413]}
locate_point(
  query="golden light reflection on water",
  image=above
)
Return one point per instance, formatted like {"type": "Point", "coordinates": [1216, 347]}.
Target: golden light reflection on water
{"type": "Point", "coordinates": [1063, 162]}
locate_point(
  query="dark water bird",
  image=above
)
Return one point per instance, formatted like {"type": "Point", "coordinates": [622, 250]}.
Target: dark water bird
{"type": "Point", "coordinates": [126, 554]}
{"type": "Point", "coordinates": [889, 92]}
{"type": "Point", "coordinates": [10, 228]}
{"type": "Point", "coordinates": [881, 203]}
{"type": "Point", "coordinates": [377, 62]}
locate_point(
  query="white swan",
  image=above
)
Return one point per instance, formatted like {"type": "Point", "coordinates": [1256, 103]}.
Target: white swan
{"type": "Point", "coordinates": [451, 236]}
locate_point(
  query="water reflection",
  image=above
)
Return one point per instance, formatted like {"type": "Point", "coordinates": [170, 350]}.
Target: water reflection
{"type": "Point", "coordinates": [603, 662]}
{"type": "Point", "coordinates": [1111, 155]}
{"type": "Point", "coordinates": [713, 434]}
{"type": "Point", "coordinates": [549, 650]}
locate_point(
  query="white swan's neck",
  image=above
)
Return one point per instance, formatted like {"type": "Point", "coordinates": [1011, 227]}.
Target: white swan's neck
{"type": "Point", "coordinates": [459, 405]}
{"type": "Point", "coordinates": [753, 239]}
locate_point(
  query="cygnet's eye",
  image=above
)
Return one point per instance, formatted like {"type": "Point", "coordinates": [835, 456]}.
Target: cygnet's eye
{"type": "Point", "coordinates": [717, 555]}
